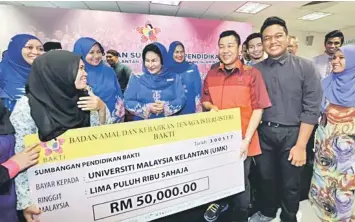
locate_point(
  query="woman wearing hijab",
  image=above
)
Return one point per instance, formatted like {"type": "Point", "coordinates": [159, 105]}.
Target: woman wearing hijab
{"type": "Point", "coordinates": [101, 78]}
{"type": "Point", "coordinates": [11, 165]}
{"type": "Point", "coordinates": [23, 49]}
{"type": "Point", "coordinates": [332, 191]}
{"type": "Point", "coordinates": [57, 99]}
{"type": "Point", "coordinates": [190, 76]}
{"type": "Point", "coordinates": [157, 92]}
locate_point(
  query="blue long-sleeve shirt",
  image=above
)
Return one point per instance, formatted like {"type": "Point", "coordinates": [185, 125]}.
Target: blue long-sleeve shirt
{"type": "Point", "coordinates": [192, 83]}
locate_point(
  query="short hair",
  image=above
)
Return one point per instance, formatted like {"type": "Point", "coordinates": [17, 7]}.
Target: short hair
{"type": "Point", "coordinates": [293, 37]}
{"type": "Point", "coordinates": [334, 34]}
{"type": "Point", "coordinates": [230, 33]}
{"type": "Point", "coordinates": [274, 20]}
{"type": "Point", "coordinates": [48, 46]}
{"type": "Point", "coordinates": [152, 48]}
{"type": "Point", "coordinates": [253, 36]}
{"type": "Point", "coordinates": [112, 52]}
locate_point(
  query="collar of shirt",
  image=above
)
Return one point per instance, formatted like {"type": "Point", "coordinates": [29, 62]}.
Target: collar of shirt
{"type": "Point", "coordinates": [249, 63]}
{"type": "Point", "coordinates": [280, 60]}
{"type": "Point", "coordinates": [117, 64]}
{"type": "Point", "coordinates": [238, 66]}
{"type": "Point", "coordinates": [327, 55]}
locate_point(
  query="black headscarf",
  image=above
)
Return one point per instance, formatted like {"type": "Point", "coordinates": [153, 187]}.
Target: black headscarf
{"type": "Point", "coordinates": [5, 124]}
{"type": "Point", "coordinates": [52, 94]}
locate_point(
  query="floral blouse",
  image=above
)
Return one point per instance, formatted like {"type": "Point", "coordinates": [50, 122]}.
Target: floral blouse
{"type": "Point", "coordinates": [24, 125]}
{"type": "Point", "coordinates": [117, 115]}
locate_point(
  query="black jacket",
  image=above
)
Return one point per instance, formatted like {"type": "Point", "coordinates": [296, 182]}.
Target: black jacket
{"type": "Point", "coordinates": [4, 176]}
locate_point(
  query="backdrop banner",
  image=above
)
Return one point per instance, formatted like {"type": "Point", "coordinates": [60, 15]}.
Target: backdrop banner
{"type": "Point", "coordinates": [124, 32]}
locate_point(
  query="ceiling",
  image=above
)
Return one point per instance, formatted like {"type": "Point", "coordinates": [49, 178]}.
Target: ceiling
{"type": "Point", "coordinates": [223, 10]}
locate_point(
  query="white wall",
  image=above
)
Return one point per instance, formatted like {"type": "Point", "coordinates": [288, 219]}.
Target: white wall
{"type": "Point", "coordinates": [15, 22]}
{"type": "Point", "coordinates": [304, 50]}
{"type": "Point", "coordinates": [309, 51]}
{"type": "Point", "coordinates": [349, 35]}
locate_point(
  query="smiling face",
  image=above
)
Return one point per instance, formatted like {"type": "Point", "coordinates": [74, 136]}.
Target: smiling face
{"type": "Point", "coordinates": [179, 54]}
{"type": "Point", "coordinates": [94, 56]}
{"type": "Point", "coordinates": [111, 59]}
{"type": "Point", "coordinates": [152, 62]}
{"type": "Point", "coordinates": [32, 49]}
{"type": "Point", "coordinates": [338, 62]}
{"type": "Point", "coordinates": [81, 77]}
{"type": "Point", "coordinates": [275, 41]}
{"type": "Point", "coordinates": [332, 45]}
{"type": "Point", "coordinates": [228, 50]}
{"type": "Point", "coordinates": [255, 48]}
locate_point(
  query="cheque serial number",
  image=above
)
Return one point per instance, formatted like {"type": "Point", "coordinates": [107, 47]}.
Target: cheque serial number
{"type": "Point", "coordinates": [221, 138]}
{"type": "Point", "coordinates": [150, 198]}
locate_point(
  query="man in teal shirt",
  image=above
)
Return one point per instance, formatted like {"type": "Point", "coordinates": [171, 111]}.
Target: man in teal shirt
{"type": "Point", "coordinates": [123, 72]}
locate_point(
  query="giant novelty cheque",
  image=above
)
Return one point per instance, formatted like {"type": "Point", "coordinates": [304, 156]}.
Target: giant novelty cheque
{"type": "Point", "coordinates": [138, 171]}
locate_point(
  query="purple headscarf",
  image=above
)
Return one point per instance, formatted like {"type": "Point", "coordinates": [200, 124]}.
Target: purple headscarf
{"type": "Point", "coordinates": [339, 88]}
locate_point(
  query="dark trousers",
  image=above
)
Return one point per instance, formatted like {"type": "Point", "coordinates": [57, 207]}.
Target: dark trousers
{"type": "Point", "coordinates": [310, 146]}
{"type": "Point", "coordinates": [241, 201]}
{"type": "Point", "coordinates": [238, 211]}
{"type": "Point", "coordinates": [254, 188]}
{"type": "Point", "coordinates": [240, 204]}
{"type": "Point", "coordinates": [307, 171]}
{"type": "Point", "coordinates": [280, 180]}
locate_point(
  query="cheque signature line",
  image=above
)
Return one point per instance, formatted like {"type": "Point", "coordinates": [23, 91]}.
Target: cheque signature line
{"type": "Point", "coordinates": [163, 166]}
{"type": "Point", "coordinates": [159, 181]}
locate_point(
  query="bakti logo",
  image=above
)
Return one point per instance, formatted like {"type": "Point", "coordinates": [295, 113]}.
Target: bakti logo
{"type": "Point", "coordinates": [148, 32]}
{"type": "Point", "coordinates": [54, 146]}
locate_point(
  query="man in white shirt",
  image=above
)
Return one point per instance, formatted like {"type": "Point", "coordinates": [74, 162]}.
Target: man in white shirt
{"type": "Point", "coordinates": [332, 41]}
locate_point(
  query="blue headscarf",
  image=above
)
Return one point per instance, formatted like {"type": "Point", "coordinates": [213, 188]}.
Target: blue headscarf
{"type": "Point", "coordinates": [173, 65]}
{"type": "Point", "coordinates": [2, 78]}
{"type": "Point", "coordinates": [162, 80]}
{"type": "Point", "coordinates": [339, 88]}
{"type": "Point", "coordinates": [101, 78]}
{"type": "Point", "coordinates": [14, 70]}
